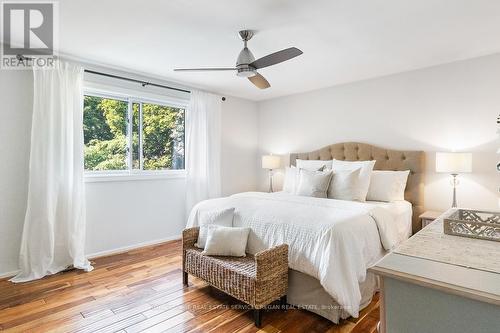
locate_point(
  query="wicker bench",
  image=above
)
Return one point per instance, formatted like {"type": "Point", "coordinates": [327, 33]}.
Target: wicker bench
{"type": "Point", "coordinates": [257, 280]}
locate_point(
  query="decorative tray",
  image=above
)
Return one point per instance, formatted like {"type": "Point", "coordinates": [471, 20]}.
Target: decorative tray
{"type": "Point", "coordinates": [473, 224]}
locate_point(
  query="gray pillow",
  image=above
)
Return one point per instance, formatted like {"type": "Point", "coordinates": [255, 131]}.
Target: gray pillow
{"type": "Point", "coordinates": [292, 178]}
{"type": "Point", "coordinates": [314, 183]}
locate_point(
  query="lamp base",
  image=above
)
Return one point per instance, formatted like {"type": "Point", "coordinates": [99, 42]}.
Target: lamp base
{"type": "Point", "coordinates": [455, 183]}
{"type": "Point", "coordinates": [271, 190]}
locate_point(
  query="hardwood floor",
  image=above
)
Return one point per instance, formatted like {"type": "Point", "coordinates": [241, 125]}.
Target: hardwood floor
{"type": "Point", "coordinates": [141, 291]}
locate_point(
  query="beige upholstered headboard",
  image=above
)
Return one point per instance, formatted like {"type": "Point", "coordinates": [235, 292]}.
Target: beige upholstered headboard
{"type": "Point", "coordinates": [386, 160]}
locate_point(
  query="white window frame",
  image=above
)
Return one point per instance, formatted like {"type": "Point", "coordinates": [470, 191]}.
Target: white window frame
{"type": "Point", "coordinates": [130, 173]}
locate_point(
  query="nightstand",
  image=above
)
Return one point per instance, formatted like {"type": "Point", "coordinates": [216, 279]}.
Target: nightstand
{"type": "Point", "coordinates": [428, 217]}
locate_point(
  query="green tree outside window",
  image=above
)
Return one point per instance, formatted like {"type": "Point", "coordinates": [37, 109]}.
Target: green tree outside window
{"type": "Point", "coordinates": [105, 135]}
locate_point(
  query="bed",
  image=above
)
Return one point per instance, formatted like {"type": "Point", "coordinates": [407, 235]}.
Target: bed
{"type": "Point", "coordinates": [332, 242]}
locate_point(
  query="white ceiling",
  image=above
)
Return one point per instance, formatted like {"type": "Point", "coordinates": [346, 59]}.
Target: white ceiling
{"type": "Point", "coordinates": [342, 40]}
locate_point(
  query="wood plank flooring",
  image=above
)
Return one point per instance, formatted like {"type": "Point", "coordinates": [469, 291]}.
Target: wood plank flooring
{"type": "Point", "coordinates": [142, 291]}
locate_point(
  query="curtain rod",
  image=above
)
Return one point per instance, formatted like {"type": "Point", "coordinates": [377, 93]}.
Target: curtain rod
{"type": "Point", "coordinates": [20, 57]}
{"type": "Point", "coordinates": [143, 83]}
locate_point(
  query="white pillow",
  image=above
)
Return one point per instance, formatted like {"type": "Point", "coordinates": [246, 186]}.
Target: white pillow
{"type": "Point", "coordinates": [364, 174]}
{"type": "Point", "coordinates": [313, 164]}
{"type": "Point", "coordinates": [225, 241]}
{"type": "Point", "coordinates": [222, 217]}
{"type": "Point", "coordinates": [313, 183]}
{"type": "Point", "coordinates": [344, 185]}
{"type": "Point", "coordinates": [388, 185]}
{"type": "Point", "coordinates": [291, 179]}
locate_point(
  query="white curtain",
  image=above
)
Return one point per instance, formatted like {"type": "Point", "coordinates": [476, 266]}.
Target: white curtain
{"type": "Point", "coordinates": [54, 226]}
{"type": "Point", "coordinates": [203, 148]}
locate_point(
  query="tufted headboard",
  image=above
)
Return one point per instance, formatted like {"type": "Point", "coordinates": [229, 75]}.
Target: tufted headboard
{"type": "Point", "coordinates": [386, 160]}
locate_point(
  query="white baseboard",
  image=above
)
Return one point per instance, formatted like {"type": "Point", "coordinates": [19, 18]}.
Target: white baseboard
{"type": "Point", "coordinates": [111, 252]}
{"type": "Point", "coordinates": [8, 274]}
{"type": "Point", "coordinates": [132, 247]}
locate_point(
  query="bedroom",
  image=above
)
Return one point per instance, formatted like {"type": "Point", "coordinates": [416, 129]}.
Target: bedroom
{"type": "Point", "coordinates": [398, 82]}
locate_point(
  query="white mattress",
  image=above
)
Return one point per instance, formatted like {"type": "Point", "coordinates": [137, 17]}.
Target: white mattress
{"type": "Point", "coordinates": [333, 241]}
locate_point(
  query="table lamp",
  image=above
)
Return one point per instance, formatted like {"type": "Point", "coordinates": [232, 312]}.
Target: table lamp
{"type": "Point", "coordinates": [454, 164]}
{"type": "Point", "coordinates": [271, 162]}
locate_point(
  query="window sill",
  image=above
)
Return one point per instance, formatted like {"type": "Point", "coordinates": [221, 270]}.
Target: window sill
{"type": "Point", "coordinates": [91, 177]}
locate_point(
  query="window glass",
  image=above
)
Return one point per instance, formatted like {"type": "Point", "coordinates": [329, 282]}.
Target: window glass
{"type": "Point", "coordinates": [155, 137]}
{"type": "Point", "coordinates": [163, 137]}
{"type": "Point", "coordinates": [105, 133]}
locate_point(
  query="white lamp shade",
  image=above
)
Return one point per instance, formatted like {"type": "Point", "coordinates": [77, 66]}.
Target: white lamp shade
{"type": "Point", "coordinates": [271, 162]}
{"type": "Point", "coordinates": [453, 162]}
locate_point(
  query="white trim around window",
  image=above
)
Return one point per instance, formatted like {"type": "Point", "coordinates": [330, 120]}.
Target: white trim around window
{"type": "Point", "coordinates": [120, 176]}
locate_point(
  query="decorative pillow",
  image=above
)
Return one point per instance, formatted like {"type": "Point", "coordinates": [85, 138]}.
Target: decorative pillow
{"type": "Point", "coordinates": [364, 175]}
{"type": "Point", "coordinates": [292, 178]}
{"type": "Point", "coordinates": [344, 185]}
{"type": "Point", "coordinates": [313, 164]}
{"type": "Point", "coordinates": [313, 183]}
{"type": "Point", "coordinates": [226, 241]}
{"type": "Point", "coordinates": [222, 217]}
{"type": "Point", "coordinates": [388, 185]}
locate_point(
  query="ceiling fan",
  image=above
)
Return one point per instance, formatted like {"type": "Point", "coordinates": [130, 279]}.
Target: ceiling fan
{"type": "Point", "coordinates": [247, 66]}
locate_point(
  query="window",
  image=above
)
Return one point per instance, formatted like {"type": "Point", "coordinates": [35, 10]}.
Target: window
{"type": "Point", "coordinates": [132, 136]}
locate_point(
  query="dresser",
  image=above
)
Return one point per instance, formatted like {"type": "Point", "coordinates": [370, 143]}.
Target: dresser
{"type": "Point", "coordinates": [440, 283]}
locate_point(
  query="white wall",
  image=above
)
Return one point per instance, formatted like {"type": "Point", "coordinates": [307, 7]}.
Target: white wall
{"type": "Point", "coordinates": [120, 214]}
{"type": "Point", "coordinates": [127, 213]}
{"type": "Point", "coordinates": [452, 106]}
{"type": "Point", "coordinates": [239, 146]}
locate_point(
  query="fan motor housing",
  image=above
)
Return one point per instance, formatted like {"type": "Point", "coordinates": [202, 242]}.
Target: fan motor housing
{"type": "Point", "coordinates": [242, 63]}
{"type": "Point", "coordinates": [245, 57]}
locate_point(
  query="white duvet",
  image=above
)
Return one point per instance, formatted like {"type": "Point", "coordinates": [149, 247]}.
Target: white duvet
{"type": "Point", "coordinates": [334, 241]}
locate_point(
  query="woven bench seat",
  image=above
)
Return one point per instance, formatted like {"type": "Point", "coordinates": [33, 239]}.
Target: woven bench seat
{"type": "Point", "coordinates": [257, 280]}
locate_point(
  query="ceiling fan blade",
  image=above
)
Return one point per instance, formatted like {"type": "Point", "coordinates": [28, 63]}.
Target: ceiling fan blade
{"type": "Point", "coordinates": [259, 81]}
{"type": "Point", "coordinates": [276, 57]}
{"type": "Point", "coordinates": [202, 69]}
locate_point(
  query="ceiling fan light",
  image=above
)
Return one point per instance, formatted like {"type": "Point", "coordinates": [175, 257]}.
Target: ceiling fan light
{"type": "Point", "coordinates": [245, 73]}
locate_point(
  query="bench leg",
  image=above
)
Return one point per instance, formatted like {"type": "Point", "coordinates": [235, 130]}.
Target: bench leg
{"type": "Point", "coordinates": [283, 302]}
{"type": "Point", "coordinates": [185, 278]}
{"type": "Point", "coordinates": [257, 316]}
